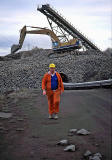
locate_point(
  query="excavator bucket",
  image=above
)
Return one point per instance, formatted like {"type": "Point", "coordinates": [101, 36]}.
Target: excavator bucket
{"type": "Point", "coordinates": [14, 48]}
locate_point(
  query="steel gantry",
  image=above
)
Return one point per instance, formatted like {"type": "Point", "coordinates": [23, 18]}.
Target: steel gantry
{"type": "Point", "coordinates": [64, 29]}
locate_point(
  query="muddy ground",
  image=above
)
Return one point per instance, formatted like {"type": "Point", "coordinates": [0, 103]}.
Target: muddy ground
{"type": "Point", "coordinates": [30, 135]}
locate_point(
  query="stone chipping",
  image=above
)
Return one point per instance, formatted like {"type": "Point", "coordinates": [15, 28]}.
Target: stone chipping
{"type": "Point", "coordinates": [25, 69]}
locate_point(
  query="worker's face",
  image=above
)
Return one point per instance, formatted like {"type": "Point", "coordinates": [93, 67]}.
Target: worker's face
{"type": "Point", "coordinates": [52, 69]}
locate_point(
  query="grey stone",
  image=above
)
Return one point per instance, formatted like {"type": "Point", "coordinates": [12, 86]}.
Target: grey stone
{"type": "Point", "coordinates": [6, 110]}
{"type": "Point", "coordinates": [5, 115]}
{"type": "Point", "coordinates": [20, 129]}
{"type": "Point", "coordinates": [98, 154]}
{"type": "Point", "coordinates": [12, 121]}
{"type": "Point", "coordinates": [87, 153]}
{"type": "Point", "coordinates": [70, 148]}
{"type": "Point", "coordinates": [94, 158]}
{"type": "Point", "coordinates": [20, 119]}
{"type": "Point", "coordinates": [97, 145]}
{"type": "Point", "coordinates": [70, 134]}
{"type": "Point", "coordinates": [63, 142]}
{"type": "Point", "coordinates": [72, 130]}
{"type": "Point", "coordinates": [83, 132]}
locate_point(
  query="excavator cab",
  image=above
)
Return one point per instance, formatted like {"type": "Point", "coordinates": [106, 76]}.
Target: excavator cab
{"type": "Point", "coordinates": [55, 44]}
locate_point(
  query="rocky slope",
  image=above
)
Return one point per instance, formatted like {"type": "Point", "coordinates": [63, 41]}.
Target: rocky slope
{"type": "Point", "coordinates": [25, 69]}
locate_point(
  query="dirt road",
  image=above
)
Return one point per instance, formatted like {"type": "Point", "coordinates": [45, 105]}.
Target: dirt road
{"type": "Point", "coordinates": [30, 135]}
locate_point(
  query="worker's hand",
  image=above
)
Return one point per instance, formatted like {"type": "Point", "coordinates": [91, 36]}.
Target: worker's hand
{"type": "Point", "coordinates": [44, 92]}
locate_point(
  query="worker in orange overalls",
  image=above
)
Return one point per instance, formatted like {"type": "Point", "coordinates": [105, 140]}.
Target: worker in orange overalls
{"type": "Point", "coordinates": [52, 86]}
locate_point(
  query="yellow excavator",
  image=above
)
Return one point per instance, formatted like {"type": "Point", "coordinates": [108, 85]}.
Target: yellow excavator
{"type": "Point", "coordinates": [57, 46]}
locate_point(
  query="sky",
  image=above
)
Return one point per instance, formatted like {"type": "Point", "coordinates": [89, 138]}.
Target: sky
{"type": "Point", "coordinates": [91, 17]}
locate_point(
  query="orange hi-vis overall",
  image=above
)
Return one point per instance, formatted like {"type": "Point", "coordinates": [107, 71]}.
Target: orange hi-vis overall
{"type": "Point", "coordinates": [52, 96]}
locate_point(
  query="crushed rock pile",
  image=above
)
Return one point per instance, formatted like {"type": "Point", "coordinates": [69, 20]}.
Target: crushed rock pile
{"type": "Point", "coordinates": [25, 69]}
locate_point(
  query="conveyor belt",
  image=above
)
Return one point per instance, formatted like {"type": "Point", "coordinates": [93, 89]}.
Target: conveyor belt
{"type": "Point", "coordinates": [54, 16]}
{"type": "Point", "coordinates": [87, 85]}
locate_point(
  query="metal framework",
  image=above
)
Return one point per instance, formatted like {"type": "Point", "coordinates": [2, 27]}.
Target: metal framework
{"type": "Point", "coordinates": [63, 29]}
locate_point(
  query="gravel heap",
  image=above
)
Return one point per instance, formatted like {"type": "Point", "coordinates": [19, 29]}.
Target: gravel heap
{"type": "Point", "coordinates": [26, 69]}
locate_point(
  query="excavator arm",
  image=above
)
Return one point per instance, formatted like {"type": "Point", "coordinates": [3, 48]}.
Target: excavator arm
{"type": "Point", "coordinates": [38, 30]}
